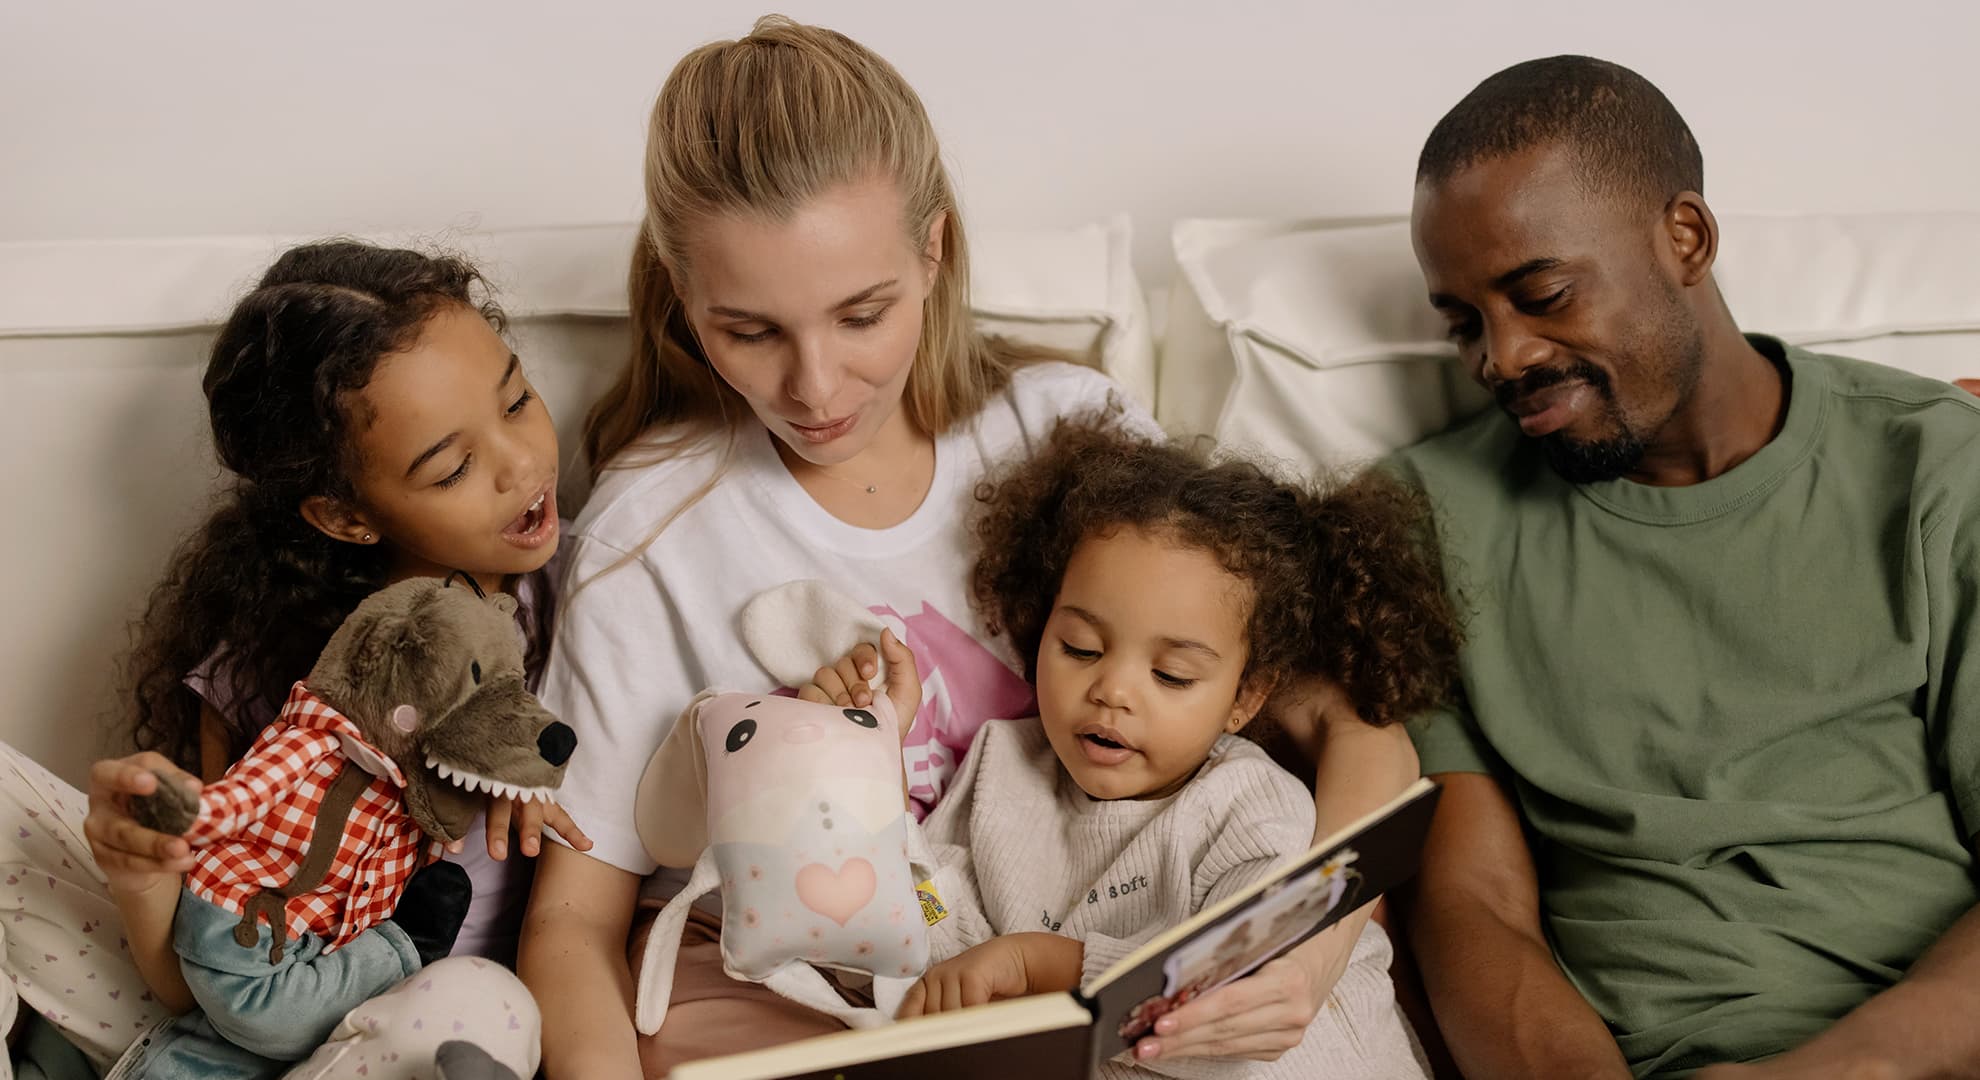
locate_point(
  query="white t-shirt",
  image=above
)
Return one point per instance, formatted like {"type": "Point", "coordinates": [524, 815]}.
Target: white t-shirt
{"type": "Point", "coordinates": [633, 647]}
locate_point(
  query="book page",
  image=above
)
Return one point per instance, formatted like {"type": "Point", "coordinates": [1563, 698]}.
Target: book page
{"type": "Point", "coordinates": [1230, 940]}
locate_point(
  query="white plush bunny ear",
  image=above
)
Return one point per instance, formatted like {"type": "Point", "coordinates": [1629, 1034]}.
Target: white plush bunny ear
{"type": "Point", "coordinates": [655, 988]}
{"type": "Point", "coordinates": [670, 805]}
{"type": "Point", "coordinates": [801, 626]}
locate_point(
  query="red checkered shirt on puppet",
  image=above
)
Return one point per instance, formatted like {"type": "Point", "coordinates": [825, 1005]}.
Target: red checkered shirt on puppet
{"type": "Point", "coordinates": [254, 826]}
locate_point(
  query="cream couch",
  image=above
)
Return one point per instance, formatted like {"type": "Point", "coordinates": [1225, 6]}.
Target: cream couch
{"type": "Point", "coordinates": [109, 461]}
{"type": "Point", "coordinates": [1306, 340]}
{"type": "Point", "coordinates": [1312, 341]}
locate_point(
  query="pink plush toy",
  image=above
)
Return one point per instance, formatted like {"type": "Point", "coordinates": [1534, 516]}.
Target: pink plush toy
{"type": "Point", "coordinates": [796, 811]}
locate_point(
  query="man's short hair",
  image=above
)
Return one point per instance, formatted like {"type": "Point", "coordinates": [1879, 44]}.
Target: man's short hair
{"type": "Point", "coordinates": [1625, 135]}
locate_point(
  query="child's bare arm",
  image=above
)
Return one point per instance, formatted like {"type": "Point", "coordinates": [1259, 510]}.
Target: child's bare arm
{"type": "Point", "coordinates": [144, 868]}
{"type": "Point", "coordinates": [1013, 965]}
{"type": "Point", "coordinates": [573, 959]}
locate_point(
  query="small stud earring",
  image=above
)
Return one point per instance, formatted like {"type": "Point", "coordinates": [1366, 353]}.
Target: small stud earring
{"type": "Point", "coordinates": [367, 538]}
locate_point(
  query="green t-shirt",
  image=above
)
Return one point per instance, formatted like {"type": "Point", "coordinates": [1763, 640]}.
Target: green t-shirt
{"type": "Point", "coordinates": [1738, 717]}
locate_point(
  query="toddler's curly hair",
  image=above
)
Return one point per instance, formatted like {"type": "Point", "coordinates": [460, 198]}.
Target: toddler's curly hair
{"type": "Point", "coordinates": [1346, 579]}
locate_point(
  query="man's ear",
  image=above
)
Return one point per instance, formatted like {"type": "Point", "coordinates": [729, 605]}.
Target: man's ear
{"type": "Point", "coordinates": [1692, 236]}
{"type": "Point", "coordinates": [1251, 698]}
{"type": "Point", "coordinates": [338, 520]}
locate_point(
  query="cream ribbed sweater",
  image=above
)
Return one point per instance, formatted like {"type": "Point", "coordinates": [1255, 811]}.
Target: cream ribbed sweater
{"type": "Point", "coordinates": [1022, 848]}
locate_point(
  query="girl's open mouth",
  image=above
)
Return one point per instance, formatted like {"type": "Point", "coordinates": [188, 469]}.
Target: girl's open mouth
{"type": "Point", "coordinates": [537, 523]}
{"type": "Point", "coordinates": [1104, 749]}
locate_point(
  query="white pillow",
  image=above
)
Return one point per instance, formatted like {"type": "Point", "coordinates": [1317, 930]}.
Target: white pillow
{"type": "Point", "coordinates": [1072, 288]}
{"type": "Point", "coordinates": [1315, 343]}
{"type": "Point", "coordinates": [101, 349]}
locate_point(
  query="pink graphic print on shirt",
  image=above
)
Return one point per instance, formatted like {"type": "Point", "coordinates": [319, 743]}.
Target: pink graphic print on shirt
{"type": "Point", "coordinates": [963, 684]}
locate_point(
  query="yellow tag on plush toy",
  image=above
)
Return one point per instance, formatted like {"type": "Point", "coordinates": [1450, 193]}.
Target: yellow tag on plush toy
{"type": "Point", "coordinates": [932, 910]}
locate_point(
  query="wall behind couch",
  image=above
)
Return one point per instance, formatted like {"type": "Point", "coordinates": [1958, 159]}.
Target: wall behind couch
{"type": "Point", "coordinates": [225, 116]}
{"type": "Point", "coordinates": [127, 119]}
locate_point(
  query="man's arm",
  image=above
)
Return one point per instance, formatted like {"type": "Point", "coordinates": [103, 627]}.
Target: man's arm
{"type": "Point", "coordinates": [1505, 1007]}
{"type": "Point", "coordinates": [1922, 1027]}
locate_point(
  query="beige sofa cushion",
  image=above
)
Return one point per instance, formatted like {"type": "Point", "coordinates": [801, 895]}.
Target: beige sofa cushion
{"type": "Point", "coordinates": [1313, 342]}
{"type": "Point", "coordinates": [101, 350]}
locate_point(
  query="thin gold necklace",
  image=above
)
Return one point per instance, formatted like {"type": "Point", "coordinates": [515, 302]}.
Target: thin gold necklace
{"type": "Point", "coordinates": [870, 489]}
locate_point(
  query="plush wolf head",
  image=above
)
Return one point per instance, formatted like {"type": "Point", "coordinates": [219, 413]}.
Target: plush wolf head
{"type": "Point", "coordinates": [432, 673]}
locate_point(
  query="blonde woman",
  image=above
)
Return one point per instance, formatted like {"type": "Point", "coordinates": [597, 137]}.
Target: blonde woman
{"type": "Point", "coordinates": [807, 398]}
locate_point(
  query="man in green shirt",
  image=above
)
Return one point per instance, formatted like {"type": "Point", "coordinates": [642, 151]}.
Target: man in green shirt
{"type": "Point", "coordinates": [1713, 784]}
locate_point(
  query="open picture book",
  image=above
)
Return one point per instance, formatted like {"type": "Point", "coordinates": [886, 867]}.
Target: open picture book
{"type": "Point", "coordinates": [1062, 1036]}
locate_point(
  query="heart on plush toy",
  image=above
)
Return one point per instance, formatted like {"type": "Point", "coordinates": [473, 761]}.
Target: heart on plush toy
{"type": "Point", "coordinates": [837, 894]}
{"type": "Point", "coordinates": [794, 810]}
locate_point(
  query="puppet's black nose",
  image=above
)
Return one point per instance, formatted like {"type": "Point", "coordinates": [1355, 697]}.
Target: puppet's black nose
{"type": "Point", "coordinates": [556, 742]}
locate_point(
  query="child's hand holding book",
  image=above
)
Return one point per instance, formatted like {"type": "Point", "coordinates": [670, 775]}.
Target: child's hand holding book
{"type": "Point", "coordinates": [1014, 965]}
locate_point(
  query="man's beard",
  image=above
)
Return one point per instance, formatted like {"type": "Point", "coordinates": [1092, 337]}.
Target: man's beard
{"type": "Point", "coordinates": [1583, 461]}
{"type": "Point", "coordinates": [1593, 462]}
{"type": "Point", "coordinates": [1620, 449]}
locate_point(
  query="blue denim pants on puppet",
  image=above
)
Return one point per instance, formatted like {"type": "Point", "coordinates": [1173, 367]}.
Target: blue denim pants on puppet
{"type": "Point", "coordinates": [256, 1018]}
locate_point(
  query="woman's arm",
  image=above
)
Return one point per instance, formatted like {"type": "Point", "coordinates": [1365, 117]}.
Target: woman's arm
{"type": "Point", "coordinates": [573, 959]}
{"type": "Point", "coordinates": [1265, 1014]}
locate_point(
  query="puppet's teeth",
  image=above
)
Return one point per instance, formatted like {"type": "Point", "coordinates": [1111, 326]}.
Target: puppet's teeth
{"type": "Point", "coordinates": [500, 789]}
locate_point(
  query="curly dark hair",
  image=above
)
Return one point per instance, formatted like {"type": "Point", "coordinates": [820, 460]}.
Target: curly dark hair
{"type": "Point", "coordinates": [1347, 581]}
{"type": "Point", "coordinates": [255, 592]}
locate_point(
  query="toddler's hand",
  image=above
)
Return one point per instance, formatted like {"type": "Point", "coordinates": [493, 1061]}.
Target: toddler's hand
{"type": "Point", "coordinates": [989, 972]}
{"type": "Point", "coordinates": [845, 683]}
{"type": "Point", "coordinates": [134, 859]}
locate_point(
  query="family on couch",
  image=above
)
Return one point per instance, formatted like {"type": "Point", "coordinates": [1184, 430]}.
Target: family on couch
{"type": "Point", "coordinates": [1707, 805]}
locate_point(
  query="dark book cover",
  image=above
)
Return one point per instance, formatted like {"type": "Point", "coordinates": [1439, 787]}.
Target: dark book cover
{"type": "Point", "coordinates": [1261, 924]}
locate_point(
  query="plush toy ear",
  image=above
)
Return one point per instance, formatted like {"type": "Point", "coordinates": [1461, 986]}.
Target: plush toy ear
{"type": "Point", "coordinates": [670, 809]}
{"type": "Point", "coordinates": [504, 603]}
{"type": "Point", "coordinates": [371, 663]}
{"type": "Point", "coordinates": [800, 626]}
{"type": "Point", "coordinates": [405, 718]}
